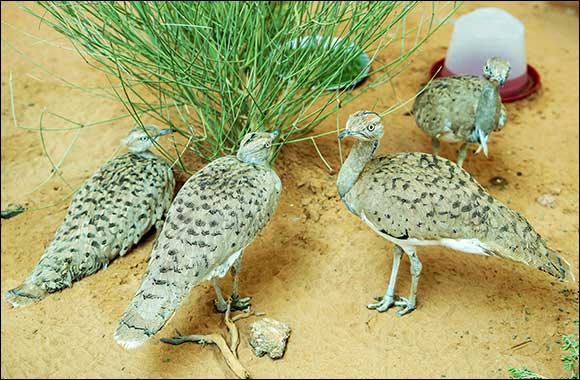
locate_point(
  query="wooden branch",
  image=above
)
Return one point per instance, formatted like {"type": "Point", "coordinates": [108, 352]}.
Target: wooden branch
{"type": "Point", "coordinates": [237, 317]}
{"type": "Point", "coordinates": [229, 352]}
{"type": "Point", "coordinates": [219, 341]}
{"type": "Point", "coordinates": [233, 330]}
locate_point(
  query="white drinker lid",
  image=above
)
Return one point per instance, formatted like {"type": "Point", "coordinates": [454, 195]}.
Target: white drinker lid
{"type": "Point", "coordinates": [485, 33]}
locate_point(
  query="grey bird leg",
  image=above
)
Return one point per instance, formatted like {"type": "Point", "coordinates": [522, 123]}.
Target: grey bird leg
{"type": "Point", "coordinates": [237, 302]}
{"type": "Point", "coordinates": [462, 154]}
{"type": "Point", "coordinates": [389, 298]}
{"type": "Point", "coordinates": [220, 303]}
{"type": "Point", "coordinates": [407, 305]}
{"type": "Point", "coordinates": [435, 142]}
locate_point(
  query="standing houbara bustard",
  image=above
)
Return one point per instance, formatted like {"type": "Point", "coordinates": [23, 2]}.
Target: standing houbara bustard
{"type": "Point", "coordinates": [217, 213]}
{"type": "Point", "coordinates": [109, 213]}
{"type": "Point", "coordinates": [464, 108]}
{"type": "Point", "coordinates": [416, 199]}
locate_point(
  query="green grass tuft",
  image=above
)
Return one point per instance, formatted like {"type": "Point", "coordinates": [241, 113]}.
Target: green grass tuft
{"type": "Point", "coordinates": [569, 345]}
{"type": "Point", "coordinates": [217, 70]}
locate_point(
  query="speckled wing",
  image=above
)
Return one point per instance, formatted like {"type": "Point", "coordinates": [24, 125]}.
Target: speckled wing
{"type": "Point", "coordinates": [425, 197]}
{"type": "Point", "coordinates": [110, 212]}
{"type": "Point", "coordinates": [218, 212]}
{"type": "Point", "coordinates": [114, 209]}
{"type": "Point", "coordinates": [449, 105]}
{"type": "Point", "coordinates": [421, 195]}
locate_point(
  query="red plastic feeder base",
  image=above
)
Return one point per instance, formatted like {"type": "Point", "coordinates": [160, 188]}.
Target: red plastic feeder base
{"type": "Point", "coordinates": [512, 90]}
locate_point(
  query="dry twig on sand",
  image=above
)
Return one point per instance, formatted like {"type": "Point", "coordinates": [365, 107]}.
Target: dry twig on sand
{"type": "Point", "coordinates": [229, 352]}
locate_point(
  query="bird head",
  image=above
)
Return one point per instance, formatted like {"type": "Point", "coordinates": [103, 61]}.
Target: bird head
{"type": "Point", "coordinates": [497, 69]}
{"type": "Point", "coordinates": [255, 147]}
{"type": "Point", "coordinates": [364, 125]}
{"type": "Point", "coordinates": [140, 139]}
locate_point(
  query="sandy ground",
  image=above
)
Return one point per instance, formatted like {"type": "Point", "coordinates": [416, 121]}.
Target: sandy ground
{"type": "Point", "coordinates": [315, 266]}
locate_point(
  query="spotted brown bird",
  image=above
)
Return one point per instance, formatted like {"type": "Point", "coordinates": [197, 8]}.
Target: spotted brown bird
{"type": "Point", "coordinates": [418, 199]}
{"type": "Point", "coordinates": [215, 215]}
{"type": "Point", "coordinates": [110, 213]}
{"type": "Point", "coordinates": [463, 108]}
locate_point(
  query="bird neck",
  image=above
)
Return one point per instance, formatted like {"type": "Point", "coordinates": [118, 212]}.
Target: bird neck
{"type": "Point", "coordinates": [145, 154]}
{"type": "Point", "coordinates": [485, 114]}
{"type": "Point", "coordinates": [359, 156]}
{"type": "Point", "coordinates": [494, 82]}
{"type": "Point", "coordinates": [260, 163]}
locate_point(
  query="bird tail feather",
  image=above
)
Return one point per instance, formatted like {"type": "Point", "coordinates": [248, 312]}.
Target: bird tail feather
{"type": "Point", "coordinates": [134, 330]}
{"type": "Point", "coordinates": [548, 261]}
{"type": "Point", "coordinates": [555, 265]}
{"type": "Point", "coordinates": [149, 310]}
{"type": "Point", "coordinates": [25, 294]}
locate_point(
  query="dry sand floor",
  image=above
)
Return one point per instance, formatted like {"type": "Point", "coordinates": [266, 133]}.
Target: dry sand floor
{"type": "Point", "coordinates": [315, 266]}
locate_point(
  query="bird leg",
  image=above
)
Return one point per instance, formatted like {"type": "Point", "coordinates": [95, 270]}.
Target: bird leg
{"type": "Point", "coordinates": [462, 154]}
{"type": "Point", "coordinates": [220, 303]}
{"type": "Point", "coordinates": [389, 298]}
{"type": "Point", "coordinates": [237, 302]}
{"type": "Point", "coordinates": [435, 142]}
{"type": "Point", "coordinates": [407, 305]}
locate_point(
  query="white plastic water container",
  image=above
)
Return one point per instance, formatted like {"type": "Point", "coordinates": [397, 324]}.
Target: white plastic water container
{"type": "Point", "coordinates": [484, 33]}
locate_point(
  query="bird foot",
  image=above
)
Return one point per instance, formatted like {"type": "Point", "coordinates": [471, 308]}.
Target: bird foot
{"type": "Point", "coordinates": [383, 305]}
{"type": "Point", "coordinates": [405, 306]}
{"type": "Point", "coordinates": [241, 303]}
{"type": "Point", "coordinates": [237, 304]}
{"type": "Point", "coordinates": [221, 305]}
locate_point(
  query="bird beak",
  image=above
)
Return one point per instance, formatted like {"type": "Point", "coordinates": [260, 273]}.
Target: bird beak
{"type": "Point", "coordinates": [344, 134]}
{"type": "Point", "coordinates": [166, 131]}
{"type": "Point", "coordinates": [275, 134]}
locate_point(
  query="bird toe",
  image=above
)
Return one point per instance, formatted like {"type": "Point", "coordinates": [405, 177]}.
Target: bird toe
{"type": "Point", "coordinates": [405, 306]}
{"type": "Point", "coordinates": [382, 305]}
{"type": "Point", "coordinates": [241, 303]}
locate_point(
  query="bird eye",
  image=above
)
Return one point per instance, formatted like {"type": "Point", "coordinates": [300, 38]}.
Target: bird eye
{"type": "Point", "coordinates": [268, 144]}
{"type": "Point", "coordinates": [371, 127]}
{"type": "Point", "coordinates": [144, 138]}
